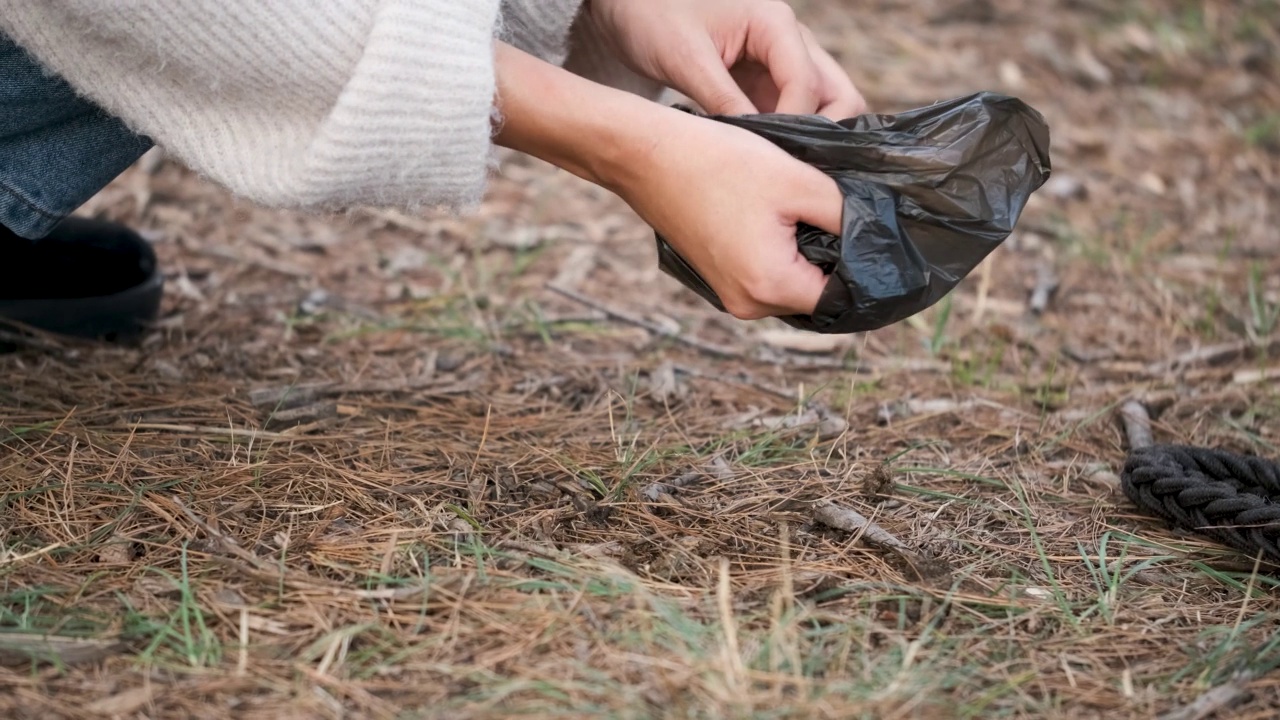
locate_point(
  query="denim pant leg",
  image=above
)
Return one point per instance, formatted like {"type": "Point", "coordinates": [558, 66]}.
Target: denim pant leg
{"type": "Point", "coordinates": [56, 149]}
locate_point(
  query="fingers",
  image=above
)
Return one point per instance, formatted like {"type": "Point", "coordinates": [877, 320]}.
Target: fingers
{"type": "Point", "coordinates": [800, 287]}
{"type": "Point", "coordinates": [821, 203]}
{"type": "Point", "coordinates": [841, 98]}
{"type": "Point", "coordinates": [786, 283]}
{"type": "Point", "coordinates": [806, 77]}
{"type": "Point", "coordinates": [774, 39]}
{"type": "Point", "coordinates": [711, 85]}
{"type": "Point", "coordinates": [788, 286]}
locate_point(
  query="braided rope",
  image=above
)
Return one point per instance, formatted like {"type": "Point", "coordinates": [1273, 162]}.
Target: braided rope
{"type": "Point", "coordinates": [1232, 498]}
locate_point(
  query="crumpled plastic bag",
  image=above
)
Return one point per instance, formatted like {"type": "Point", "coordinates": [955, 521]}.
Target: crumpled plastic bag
{"type": "Point", "coordinates": [928, 194]}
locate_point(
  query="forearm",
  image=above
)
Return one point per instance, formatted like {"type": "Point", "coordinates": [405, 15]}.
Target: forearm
{"type": "Point", "coordinates": [595, 132]}
{"type": "Point", "coordinates": [726, 200]}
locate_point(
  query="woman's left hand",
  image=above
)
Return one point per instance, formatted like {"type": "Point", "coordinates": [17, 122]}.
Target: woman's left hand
{"type": "Point", "coordinates": [732, 57]}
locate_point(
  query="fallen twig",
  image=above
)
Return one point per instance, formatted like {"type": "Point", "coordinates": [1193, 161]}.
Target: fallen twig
{"type": "Point", "coordinates": [248, 433]}
{"type": "Point", "coordinates": [611, 549]}
{"type": "Point", "coordinates": [739, 379]}
{"type": "Point", "coordinates": [1250, 376]}
{"type": "Point", "coordinates": [275, 266]}
{"type": "Point", "coordinates": [932, 570]}
{"type": "Point", "coordinates": [7, 559]}
{"type": "Point", "coordinates": [285, 397]}
{"type": "Point", "coordinates": [712, 349]}
{"type": "Point", "coordinates": [828, 424]}
{"type": "Point", "coordinates": [437, 386]}
{"type": "Point", "coordinates": [1086, 356]}
{"type": "Point", "coordinates": [303, 414]}
{"type": "Point", "coordinates": [1217, 355]}
{"type": "Point", "coordinates": [228, 543]}
{"type": "Point", "coordinates": [843, 518]}
{"type": "Point", "coordinates": [889, 412]}
{"type": "Point", "coordinates": [16, 648]}
{"type": "Point", "coordinates": [1218, 698]}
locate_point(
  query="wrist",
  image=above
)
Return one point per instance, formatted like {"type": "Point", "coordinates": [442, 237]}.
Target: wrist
{"type": "Point", "coordinates": [601, 134]}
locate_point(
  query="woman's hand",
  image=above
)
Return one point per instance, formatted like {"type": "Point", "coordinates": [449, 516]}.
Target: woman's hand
{"type": "Point", "coordinates": [732, 57]}
{"type": "Point", "coordinates": [727, 200]}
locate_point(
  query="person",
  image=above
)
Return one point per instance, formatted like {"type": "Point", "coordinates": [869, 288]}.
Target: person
{"type": "Point", "coordinates": [326, 106]}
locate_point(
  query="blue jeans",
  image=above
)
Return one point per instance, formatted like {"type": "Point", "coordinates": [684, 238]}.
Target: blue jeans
{"type": "Point", "coordinates": [56, 148]}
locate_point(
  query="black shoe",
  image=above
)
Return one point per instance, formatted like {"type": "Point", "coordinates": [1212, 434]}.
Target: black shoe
{"type": "Point", "coordinates": [87, 279]}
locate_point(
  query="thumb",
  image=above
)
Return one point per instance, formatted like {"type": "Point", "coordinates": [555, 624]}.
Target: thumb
{"type": "Point", "coordinates": [708, 82]}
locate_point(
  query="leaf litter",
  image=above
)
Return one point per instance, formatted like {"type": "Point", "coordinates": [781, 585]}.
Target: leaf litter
{"type": "Point", "coordinates": [498, 498]}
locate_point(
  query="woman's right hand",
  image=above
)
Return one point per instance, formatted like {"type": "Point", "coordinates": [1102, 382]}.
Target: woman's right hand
{"type": "Point", "coordinates": [728, 201]}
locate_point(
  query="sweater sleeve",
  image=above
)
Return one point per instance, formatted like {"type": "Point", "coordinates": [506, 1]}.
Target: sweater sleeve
{"type": "Point", "coordinates": [289, 103]}
{"type": "Point", "coordinates": [556, 31]}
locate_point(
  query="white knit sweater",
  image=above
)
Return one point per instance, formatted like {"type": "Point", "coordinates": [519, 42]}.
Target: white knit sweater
{"type": "Point", "coordinates": [310, 103]}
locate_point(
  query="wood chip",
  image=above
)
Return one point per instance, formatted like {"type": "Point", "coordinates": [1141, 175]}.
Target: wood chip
{"type": "Point", "coordinates": [879, 482]}
{"type": "Point", "coordinates": [266, 625]}
{"type": "Point", "coordinates": [115, 551]}
{"type": "Point", "coordinates": [1137, 424]}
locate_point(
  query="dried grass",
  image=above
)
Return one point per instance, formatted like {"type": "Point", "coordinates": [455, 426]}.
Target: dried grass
{"type": "Point", "coordinates": [491, 501]}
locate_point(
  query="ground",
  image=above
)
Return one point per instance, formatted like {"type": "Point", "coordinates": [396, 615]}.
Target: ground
{"type": "Point", "coordinates": [372, 466]}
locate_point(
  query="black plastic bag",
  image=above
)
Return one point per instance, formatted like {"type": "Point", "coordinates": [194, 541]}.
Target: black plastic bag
{"type": "Point", "coordinates": [927, 195]}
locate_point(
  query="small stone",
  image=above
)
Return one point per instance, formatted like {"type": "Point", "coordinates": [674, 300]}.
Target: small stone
{"type": "Point", "coordinates": [1066, 187]}
{"type": "Point", "coordinates": [1011, 75]}
{"type": "Point", "coordinates": [314, 303]}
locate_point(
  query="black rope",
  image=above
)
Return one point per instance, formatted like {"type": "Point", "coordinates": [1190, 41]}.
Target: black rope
{"type": "Point", "coordinates": [1232, 498]}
